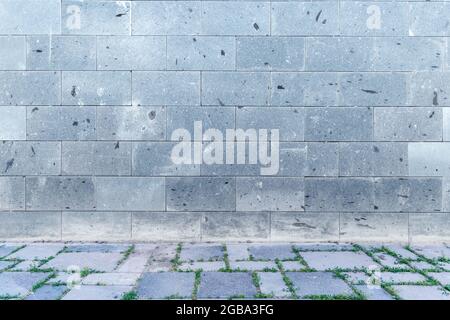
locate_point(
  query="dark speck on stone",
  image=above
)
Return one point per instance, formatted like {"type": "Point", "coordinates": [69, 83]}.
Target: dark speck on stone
{"type": "Point", "coordinates": [74, 91]}
{"type": "Point", "coordinates": [152, 115]}
{"type": "Point", "coordinates": [375, 149]}
{"type": "Point", "coordinates": [35, 109]}
{"type": "Point", "coordinates": [369, 91]}
{"type": "Point", "coordinates": [318, 15]}
{"type": "Point", "coordinates": [9, 164]}
{"type": "Point", "coordinates": [120, 14]}
{"type": "Point", "coordinates": [431, 115]}
{"type": "Point", "coordinates": [75, 123]}
{"type": "Point", "coordinates": [255, 25]}
{"type": "Point", "coordinates": [116, 146]}
{"type": "Point", "coordinates": [435, 98]}
{"type": "Point", "coordinates": [280, 87]}
{"type": "Point", "coordinates": [222, 52]}
{"type": "Point", "coordinates": [38, 50]}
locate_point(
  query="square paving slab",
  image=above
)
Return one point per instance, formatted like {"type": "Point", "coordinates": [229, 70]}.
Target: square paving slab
{"type": "Point", "coordinates": [272, 252]}
{"type": "Point", "coordinates": [343, 260]}
{"type": "Point", "coordinates": [318, 283]}
{"type": "Point", "coordinates": [97, 293]}
{"type": "Point", "coordinates": [164, 285]}
{"type": "Point", "coordinates": [407, 292]}
{"type": "Point", "coordinates": [48, 292]}
{"type": "Point", "coordinates": [226, 285]}
{"type": "Point", "coordinates": [272, 283]}
{"type": "Point", "coordinates": [98, 261]}
{"type": "Point", "coordinates": [37, 252]}
{"type": "Point", "coordinates": [374, 293]}
{"type": "Point", "coordinates": [201, 252]}
{"type": "Point", "coordinates": [19, 283]}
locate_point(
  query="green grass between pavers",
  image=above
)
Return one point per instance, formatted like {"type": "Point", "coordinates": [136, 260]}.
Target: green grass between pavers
{"type": "Point", "coordinates": [126, 254]}
{"type": "Point", "coordinates": [130, 295]}
{"type": "Point", "coordinates": [41, 283]}
{"type": "Point", "coordinates": [391, 291]}
{"type": "Point", "coordinates": [87, 271]}
{"type": "Point", "coordinates": [176, 261]}
{"type": "Point", "coordinates": [358, 295]}
{"type": "Point", "coordinates": [301, 260]}
{"type": "Point", "coordinates": [226, 259]}
{"type": "Point", "coordinates": [9, 297]}
{"type": "Point", "coordinates": [331, 297]}
{"type": "Point", "coordinates": [198, 278]}
{"type": "Point", "coordinates": [286, 280]}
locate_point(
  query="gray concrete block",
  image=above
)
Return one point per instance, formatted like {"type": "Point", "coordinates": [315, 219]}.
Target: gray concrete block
{"type": "Point", "coordinates": [338, 124]}
{"type": "Point", "coordinates": [98, 261]}
{"type": "Point", "coordinates": [408, 124]}
{"type": "Point", "coordinates": [13, 53]}
{"type": "Point", "coordinates": [13, 123]}
{"type": "Point", "coordinates": [408, 194]}
{"type": "Point", "coordinates": [429, 89]}
{"type": "Point", "coordinates": [428, 159]}
{"type": "Point", "coordinates": [429, 227]}
{"type": "Point", "coordinates": [37, 252]}
{"type": "Point", "coordinates": [202, 252]}
{"type": "Point", "coordinates": [96, 88]}
{"type": "Point", "coordinates": [270, 53]}
{"type": "Point", "coordinates": [74, 193]}
{"type": "Point", "coordinates": [272, 252]}
{"type": "Point", "coordinates": [30, 226]}
{"type": "Point", "coordinates": [165, 285]}
{"type": "Point", "coordinates": [61, 53]}
{"type": "Point", "coordinates": [200, 194]}
{"type": "Point", "coordinates": [373, 293]}
{"type": "Point", "coordinates": [421, 292]}
{"type": "Point", "coordinates": [12, 193]}
{"type": "Point", "coordinates": [318, 283]}
{"type": "Point", "coordinates": [226, 285]}
{"type": "Point", "coordinates": [253, 265]}
{"type": "Point", "coordinates": [429, 19]}
{"type": "Point", "coordinates": [269, 194]}
{"type": "Point", "coordinates": [231, 226]}
{"type": "Point", "coordinates": [231, 88]}
{"type": "Point", "coordinates": [136, 123]}
{"type": "Point", "coordinates": [96, 158]}
{"type": "Point", "coordinates": [167, 88]}
{"type": "Point", "coordinates": [343, 260]}
{"type": "Point", "coordinates": [97, 293]}
{"type": "Point", "coordinates": [130, 193]}
{"type": "Point", "coordinates": [131, 53]}
{"type": "Point", "coordinates": [201, 53]}
{"type": "Point", "coordinates": [322, 159]}
{"type": "Point", "coordinates": [273, 284]}
{"type": "Point", "coordinates": [19, 284]}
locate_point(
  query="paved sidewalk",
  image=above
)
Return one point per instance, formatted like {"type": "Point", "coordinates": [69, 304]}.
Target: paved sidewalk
{"type": "Point", "coordinates": [72, 271]}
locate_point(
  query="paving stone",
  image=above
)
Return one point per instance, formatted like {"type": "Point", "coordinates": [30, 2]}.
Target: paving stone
{"type": "Point", "coordinates": [422, 265]}
{"type": "Point", "coordinates": [94, 247]}
{"type": "Point", "coordinates": [201, 252]}
{"type": "Point", "coordinates": [323, 247]}
{"type": "Point", "coordinates": [6, 250]}
{"type": "Point", "coordinates": [373, 293]}
{"type": "Point", "coordinates": [97, 293]}
{"type": "Point", "coordinates": [97, 261]}
{"type": "Point", "coordinates": [135, 263]}
{"type": "Point", "coordinates": [401, 277]}
{"type": "Point", "coordinates": [401, 251]}
{"type": "Point", "coordinates": [253, 265]}
{"type": "Point", "coordinates": [433, 252]}
{"type": "Point", "coordinates": [358, 277]}
{"type": "Point", "coordinates": [37, 252]}
{"type": "Point", "coordinates": [226, 285]}
{"type": "Point", "coordinates": [442, 277]}
{"type": "Point", "coordinates": [19, 283]}
{"type": "Point", "coordinates": [421, 293]}
{"type": "Point", "coordinates": [318, 283]}
{"type": "Point", "coordinates": [163, 252]}
{"type": "Point", "coordinates": [237, 252]}
{"type": "Point", "coordinates": [292, 266]}
{"type": "Point", "coordinates": [204, 266]}
{"type": "Point", "coordinates": [272, 252]}
{"type": "Point", "coordinates": [62, 278]}
{"type": "Point", "coordinates": [47, 293]}
{"type": "Point", "coordinates": [164, 285]}
{"type": "Point", "coordinates": [26, 265]}
{"type": "Point", "coordinates": [272, 283]}
{"type": "Point", "coordinates": [5, 265]}
{"type": "Point", "coordinates": [111, 279]}
{"type": "Point", "coordinates": [159, 266]}
{"type": "Point", "coordinates": [342, 260]}
{"type": "Point", "coordinates": [389, 261]}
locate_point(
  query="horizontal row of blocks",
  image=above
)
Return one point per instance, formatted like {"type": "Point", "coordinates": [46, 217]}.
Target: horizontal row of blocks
{"type": "Point", "coordinates": [223, 53]}
{"type": "Point", "coordinates": [225, 226]}
{"type": "Point", "coordinates": [160, 123]}
{"type": "Point", "coordinates": [343, 194]}
{"type": "Point", "coordinates": [215, 88]}
{"type": "Point", "coordinates": [94, 17]}
{"type": "Point", "coordinates": [142, 159]}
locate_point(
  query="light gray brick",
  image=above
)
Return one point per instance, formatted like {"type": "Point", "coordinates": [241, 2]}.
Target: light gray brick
{"type": "Point", "coordinates": [95, 17]}
{"type": "Point", "coordinates": [269, 194]}
{"type": "Point", "coordinates": [131, 53]}
{"type": "Point", "coordinates": [293, 157]}
{"type": "Point", "coordinates": [155, 159]}
{"type": "Point", "coordinates": [220, 118]}
{"type": "Point", "coordinates": [304, 226]}
{"type": "Point", "coordinates": [30, 88]}
{"type": "Point", "coordinates": [408, 194]}
{"type": "Point", "coordinates": [322, 159]}
{"type": "Point", "coordinates": [309, 89]}
{"type": "Point", "coordinates": [429, 89]}
{"type": "Point", "coordinates": [338, 194]}
{"type": "Point", "coordinates": [166, 17]}
{"type": "Point", "coordinates": [359, 18]}
{"type": "Point", "coordinates": [428, 159]}
{"type": "Point", "coordinates": [96, 158]}
{"type": "Point", "coordinates": [130, 193]}
{"type": "Point", "coordinates": [229, 226]}
{"type": "Point", "coordinates": [166, 226]}
{"type": "Point", "coordinates": [385, 227]}
{"type": "Point", "coordinates": [270, 53]}
{"type": "Point", "coordinates": [349, 54]}
{"type": "Point", "coordinates": [201, 53]}
{"type": "Point", "coordinates": [74, 193]}
{"type": "Point", "coordinates": [166, 88]}
{"type": "Point", "coordinates": [429, 227]}
{"type": "Point", "coordinates": [429, 19]}
{"type": "Point", "coordinates": [235, 18]}
{"type": "Point", "coordinates": [373, 159]}
{"type": "Point", "coordinates": [13, 123]}
{"type": "Point", "coordinates": [338, 124]}
{"type": "Point", "coordinates": [30, 158]}
{"type": "Point", "coordinates": [408, 124]}
{"type": "Point", "coordinates": [446, 194]}
{"type": "Point", "coordinates": [30, 16]}
{"type": "Point", "coordinates": [230, 88]}
{"type": "Point", "coordinates": [305, 18]}
{"type": "Point", "coordinates": [373, 89]}
{"type": "Point", "coordinates": [200, 194]}
{"type": "Point", "coordinates": [289, 121]}
{"type": "Point", "coordinates": [88, 226]}
{"type": "Point", "coordinates": [446, 123]}
{"type": "Point", "coordinates": [96, 88]}
{"type": "Point", "coordinates": [12, 53]}
{"type": "Point", "coordinates": [61, 123]}
{"type": "Point", "coordinates": [135, 123]}
{"type": "Point", "coordinates": [29, 226]}
{"type": "Point", "coordinates": [61, 53]}
{"type": "Point", "coordinates": [12, 193]}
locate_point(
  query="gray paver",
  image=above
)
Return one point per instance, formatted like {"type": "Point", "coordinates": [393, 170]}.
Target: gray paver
{"type": "Point", "coordinates": [343, 260]}
{"type": "Point", "coordinates": [205, 266]}
{"type": "Point", "coordinates": [201, 252]}
{"type": "Point", "coordinates": [292, 266]}
{"type": "Point", "coordinates": [164, 285]}
{"type": "Point", "coordinates": [19, 283]}
{"type": "Point", "coordinates": [272, 251]}
{"type": "Point", "coordinates": [253, 265]}
{"type": "Point", "coordinates": [272, 283]}
{"type": "Point", "coordinates": [47, 293]}
{"type": "Point", "coordinates": [373, 293]}
{"type": "Point", "coordinates": [37, 252]}
{"type": "Point", "coordinates": [111, 279]}
{"type": "Point", "coordinates": [97, 293]}
{"type": "Point", "coordinates": [226, 285]}
{"type": "Point", "coordinates": [442, 277]}
{"type": "Point", "coordinates": [421, 293]}
{"type": "Point", "coordinates": [5, 264]}
{"type": "Point", "coordinates": [318, 283]}
{"type": "Point", "coordinates": [237, 252]}
{"type": "Point", "coordinates": [104, 248]}
{"type": "Point", "coordinates": [97, 261]}
{"type": "Point", "coordinates": [389, 261]}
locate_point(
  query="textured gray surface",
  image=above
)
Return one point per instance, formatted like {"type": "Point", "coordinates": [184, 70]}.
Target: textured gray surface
{"type": "Point", "coordinates": [91, 91]}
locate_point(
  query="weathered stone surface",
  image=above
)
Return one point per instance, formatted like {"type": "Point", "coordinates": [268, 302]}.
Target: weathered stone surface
{"type": "Point", "coordinates": [85, 292]}
{"type": "Point", "coordinates": [318, 283]}
{"type": "Point", "coordinates": [98, 261]}
{"type": "Point", "coordinates": [226, 285]}
{"type": "Point", "coordinates": [343, 260]}
{"type": "Point", "coordinates": [272, 252]}
{"type": "Point", "coordinates": [17, 284]}
{"type": "Point", "coordinates": [47, 293]}
{"type": "Point", "coordinates": [272, 283]}
{"type": "Point", "coordinates": [421, 293]}
{"type": "Point", "coordinates": [165, 285]}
